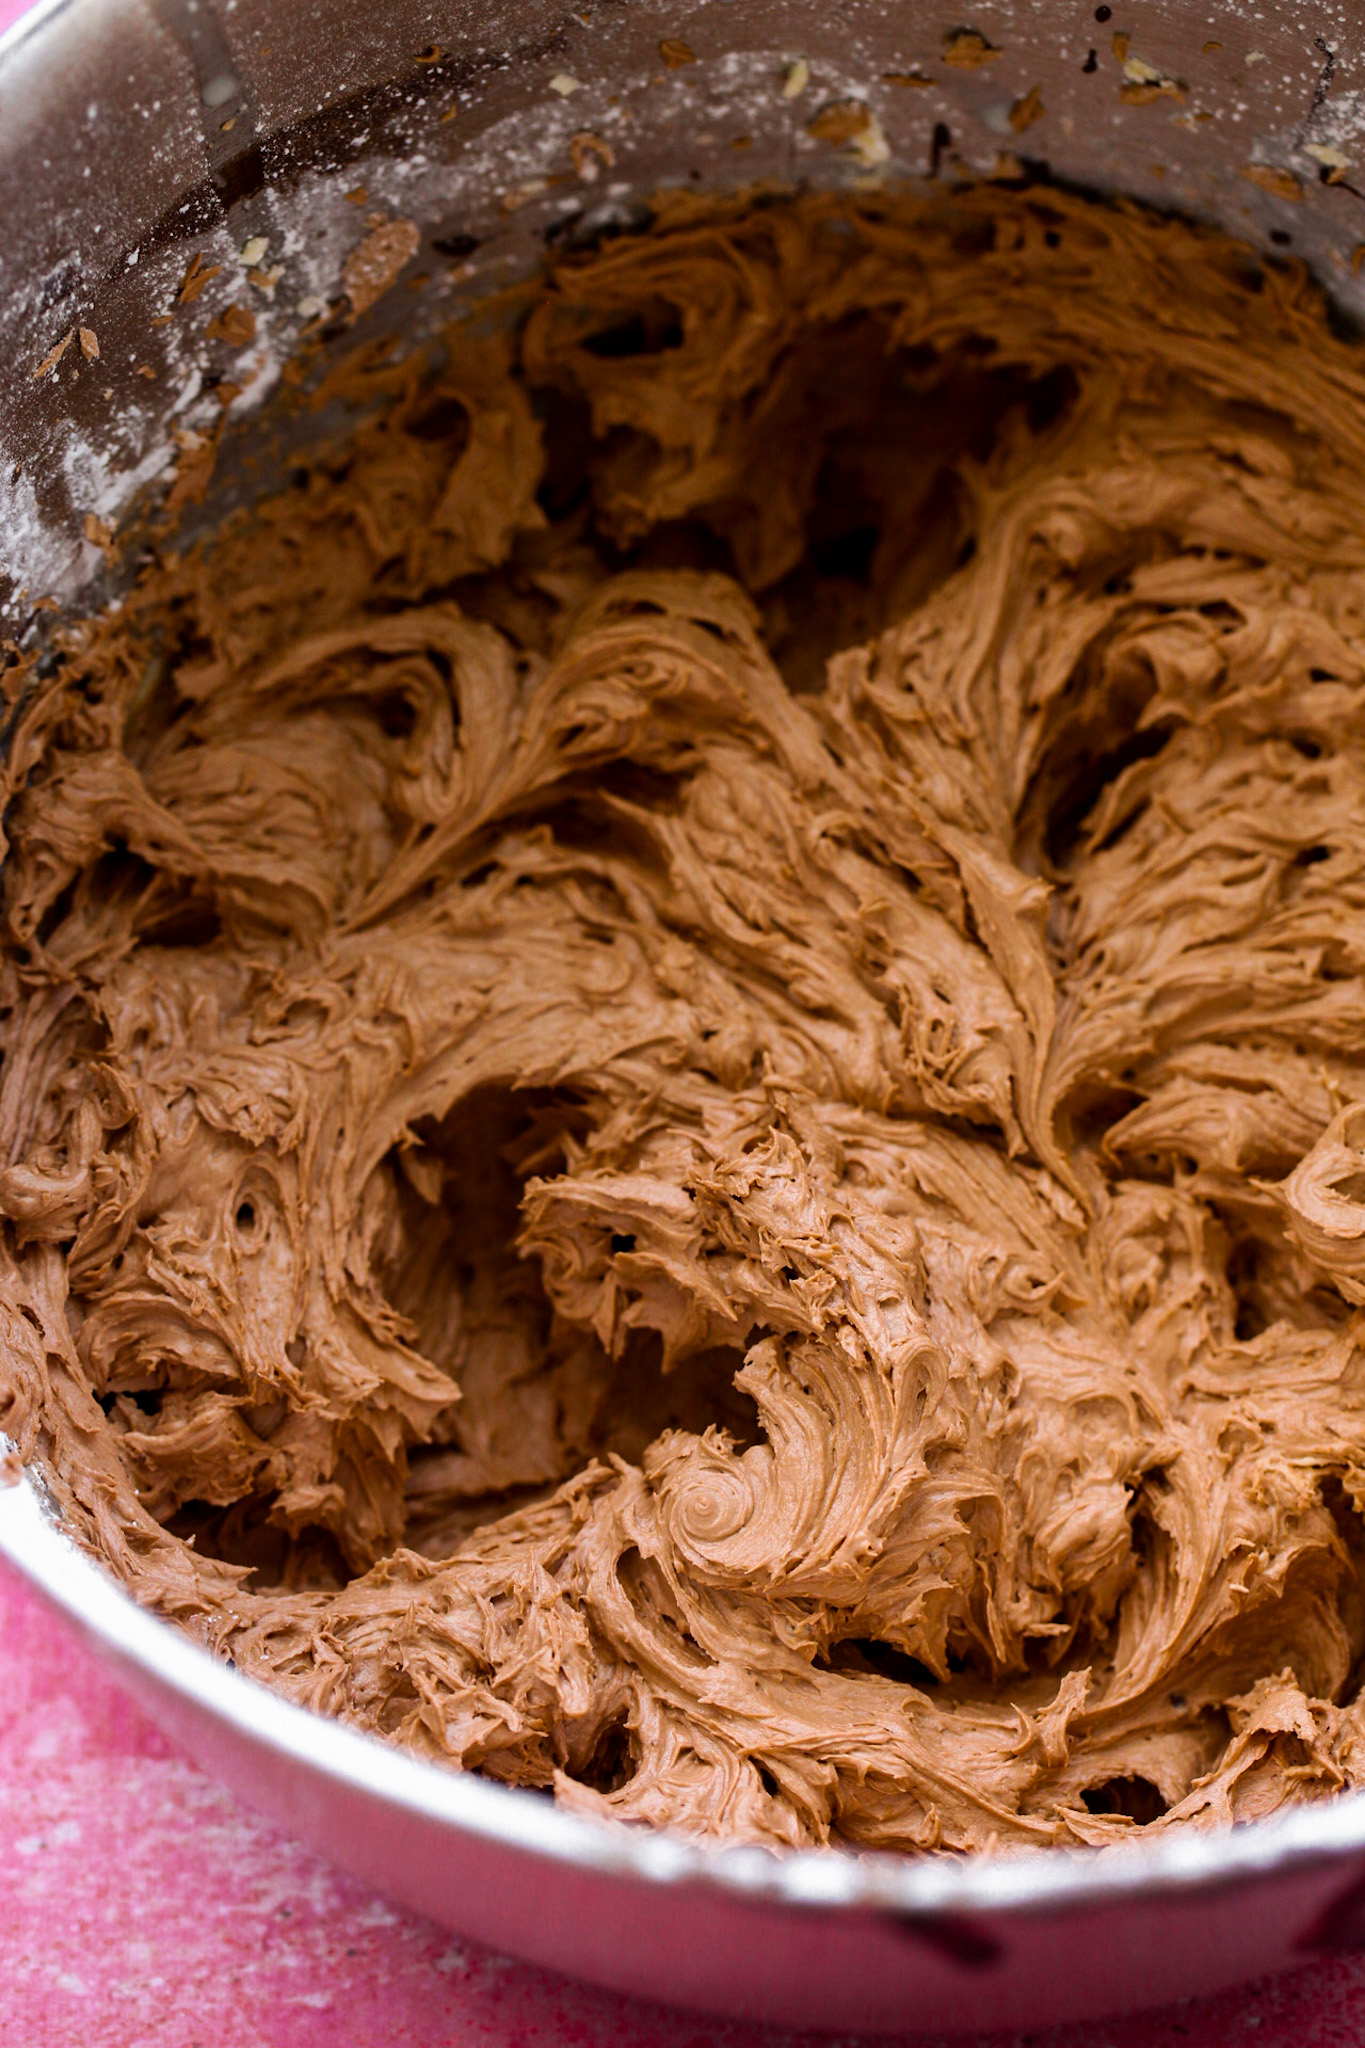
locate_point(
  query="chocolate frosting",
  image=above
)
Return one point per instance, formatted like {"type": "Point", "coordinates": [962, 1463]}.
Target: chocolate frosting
{"type": "Point", "coordinates": [683, 1110]}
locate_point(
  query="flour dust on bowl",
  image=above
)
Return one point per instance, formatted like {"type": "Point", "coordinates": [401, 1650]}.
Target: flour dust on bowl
{"type": "Point", "coordinates": [682, 995]}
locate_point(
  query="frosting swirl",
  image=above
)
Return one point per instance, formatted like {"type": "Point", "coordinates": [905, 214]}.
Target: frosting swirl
{"type": "Point", "coordinates": [683, 1109]}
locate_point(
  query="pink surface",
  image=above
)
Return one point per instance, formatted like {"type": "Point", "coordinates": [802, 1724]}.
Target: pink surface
{"type": "Point", "coordinates": [140, 1907]}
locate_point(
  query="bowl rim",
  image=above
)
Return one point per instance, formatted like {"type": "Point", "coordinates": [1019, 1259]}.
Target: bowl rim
{"type": "Point", "coordinates": [918, 1886]}
{"type": "Point", "coordinates": [839, 1880]}
{"type": "Point", "coordinates": [33, 19]}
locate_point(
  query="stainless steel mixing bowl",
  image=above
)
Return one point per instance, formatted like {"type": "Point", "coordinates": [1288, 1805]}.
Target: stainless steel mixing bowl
{"type": "Point", "coordinates": [139, 137]}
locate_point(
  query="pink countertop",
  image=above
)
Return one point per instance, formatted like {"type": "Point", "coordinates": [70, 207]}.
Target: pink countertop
{"type": "Point", "coordinates": [140, 1907]}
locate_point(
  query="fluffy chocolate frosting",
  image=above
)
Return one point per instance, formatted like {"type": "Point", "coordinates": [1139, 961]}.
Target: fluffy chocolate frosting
{"type": "Point", "coordinates": [683, 1109]}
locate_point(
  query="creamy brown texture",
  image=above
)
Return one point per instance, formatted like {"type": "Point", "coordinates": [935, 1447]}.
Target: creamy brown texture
{"type": "Point", "coordinates": [683, 1107]}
